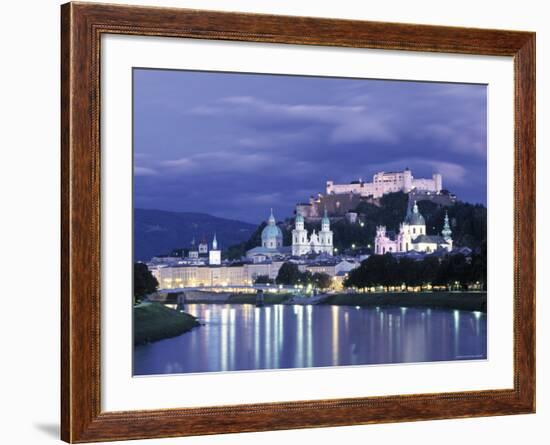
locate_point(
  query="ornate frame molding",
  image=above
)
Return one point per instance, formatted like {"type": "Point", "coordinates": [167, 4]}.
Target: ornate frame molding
{"type": "Point", "coordinates": [82, 25]}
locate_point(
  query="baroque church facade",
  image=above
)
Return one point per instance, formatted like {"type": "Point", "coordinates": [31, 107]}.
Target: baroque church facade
{"type": "Point", "coordinates": [321, 242]}
{"type": "Point", "coordinates": [412, 236]}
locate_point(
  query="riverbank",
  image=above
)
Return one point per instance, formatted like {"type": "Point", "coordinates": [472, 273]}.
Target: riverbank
{"type": "Point", "coordinates": [200, 297]}
{"type": "Point", "coordinates": [467, 301]}
{"type": "Point", "coordinates": [154, 321]}
{"type": "Point", "coordinates": [251, 298]}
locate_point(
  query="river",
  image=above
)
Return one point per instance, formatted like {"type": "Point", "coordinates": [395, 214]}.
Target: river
{"type": "Point", "coordinates": [244, 337]}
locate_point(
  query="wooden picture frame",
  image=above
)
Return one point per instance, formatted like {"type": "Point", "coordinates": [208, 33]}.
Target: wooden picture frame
{"type": "Point", "coordinates": [82, 25]}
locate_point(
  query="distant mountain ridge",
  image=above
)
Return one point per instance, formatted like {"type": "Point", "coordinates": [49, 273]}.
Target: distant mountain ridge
{"type": "Point", "coordinates": [158, 232]}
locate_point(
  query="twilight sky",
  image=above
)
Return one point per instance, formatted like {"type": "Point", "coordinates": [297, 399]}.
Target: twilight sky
{"type": "Point", "coordinates": [234, 145]}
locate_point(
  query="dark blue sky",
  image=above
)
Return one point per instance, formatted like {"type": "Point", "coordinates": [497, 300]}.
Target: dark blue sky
{"type": "Point", "coordinates": [234, 145]}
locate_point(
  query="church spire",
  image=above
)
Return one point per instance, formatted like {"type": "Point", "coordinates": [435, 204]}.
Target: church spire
{"type": "Point", "coordinates": [325, 221]}
{"type": "Point", "coordinates": [214, 243]}
{"type": "Point", "coordinates": [271, 221]}
{"type": "Point", "coordinates": [446, 232]}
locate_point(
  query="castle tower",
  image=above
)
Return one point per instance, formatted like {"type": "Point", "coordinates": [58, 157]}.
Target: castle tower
{"type": "Point", "coordinates": [438, 182]}
{"type": "Point", "coordinates": [215, 255]}
{"type": "Point", "coordinates": [299, 237]}
{"type": "Point", "coordinates": [407, 180]}
{"type": "Point", "coordinates": [325, 235]}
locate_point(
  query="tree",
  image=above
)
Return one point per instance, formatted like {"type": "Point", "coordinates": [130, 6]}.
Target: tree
{"type": "Point", "coordinates": [263, 279]}
{"type": "Point", "coordinates": [468, 221]}
{"type": "Point", "coordinates": [321, 280]}
{"type": "Point", "coordinates": [144, 282]}
{"type": "Point", "coordinates": [305, 278]}
{"type": "Point", "coordinates": [376, 270]}
{"type": "Point", "coordinates": [289, 274]}
{"type": "Point", "coordinates": [385, 270]}
{"type": "Point", "coordinates": [428, 269]}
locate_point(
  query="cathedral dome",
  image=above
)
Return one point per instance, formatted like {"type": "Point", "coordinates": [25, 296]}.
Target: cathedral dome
{"type": "Point", "coordinates": [414, 218]}
{"type": "Point", "coordinates": [271, 231]}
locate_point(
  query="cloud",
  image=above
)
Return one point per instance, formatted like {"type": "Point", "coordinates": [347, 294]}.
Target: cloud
{"type": "Point", "coordinates": [144, 171]}
{"type": "Point", "coordinates": [466, 136]}
{"type": "Point", "coordinates": [210, 162]}
{"type": "Point", "coordinates": [345, 123]}
{"type": "Point", "coordinates": [180, 163]}
{"type": "Point", "coordinates": [452, 173]}
{"type": "Point", "coordinates": [259, 140]}
{"type": "Point", "coordinates": [239, 145]}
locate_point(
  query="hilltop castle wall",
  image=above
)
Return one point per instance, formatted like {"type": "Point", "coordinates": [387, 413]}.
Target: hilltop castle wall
{"type": "Point", "coordinates": [388, 182]}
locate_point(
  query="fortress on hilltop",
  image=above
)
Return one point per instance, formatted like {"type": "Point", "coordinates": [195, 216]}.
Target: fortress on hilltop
{"type": "Point", "coordinates": [388, 182]}
{"type": "Point", "coordinates": [340, 199]}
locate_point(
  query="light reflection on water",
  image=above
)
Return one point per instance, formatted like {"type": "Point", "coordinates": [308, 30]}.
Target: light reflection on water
{"type": "Point", "coordinates": [244, 337]}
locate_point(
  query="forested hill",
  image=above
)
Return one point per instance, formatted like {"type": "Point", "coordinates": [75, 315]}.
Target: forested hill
{"type": "Point", "coordinates": [468, 223]}
{"type": "Point", "coordinates": [159, 232]}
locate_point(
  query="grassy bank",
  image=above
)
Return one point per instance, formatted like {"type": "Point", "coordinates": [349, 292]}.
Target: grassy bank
{"type": "Point", "coordinates": [468, 301]}
{"type": "Point", "coordinates": [251, 298]}
{"type": "Point", "coordinates": [153, 321]}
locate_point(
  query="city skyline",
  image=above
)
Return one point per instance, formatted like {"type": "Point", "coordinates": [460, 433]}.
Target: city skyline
{"type": "Point", "coordinates": [235, 145]}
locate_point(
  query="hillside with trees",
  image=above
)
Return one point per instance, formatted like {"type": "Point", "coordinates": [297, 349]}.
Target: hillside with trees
{"type": "Point", "coordinates": [468, 223]}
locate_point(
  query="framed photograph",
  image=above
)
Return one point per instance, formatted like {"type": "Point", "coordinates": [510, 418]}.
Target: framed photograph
{"type": "Point", "coordinates": [274, 222]}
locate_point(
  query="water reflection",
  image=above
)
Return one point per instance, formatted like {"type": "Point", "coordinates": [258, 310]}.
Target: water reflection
{"type": "Point", "coordinates": [244, 337]}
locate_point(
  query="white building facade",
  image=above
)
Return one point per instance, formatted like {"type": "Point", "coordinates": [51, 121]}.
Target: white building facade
{"type": "Point", "coordinates": [388, 182]}
{"type": "Point", "coordinates": [304, 244]}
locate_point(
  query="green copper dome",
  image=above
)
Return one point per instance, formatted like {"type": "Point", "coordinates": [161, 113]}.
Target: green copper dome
{"type": "Point", "coordinates": [271, 230]}
{"type": "Point", "coordinates": [414, 218]}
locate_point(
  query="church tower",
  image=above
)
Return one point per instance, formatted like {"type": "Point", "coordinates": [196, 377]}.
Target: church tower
{"type": "Point", "coordinates": [203, 247]}
{"type": "Point", "coordinates": [447, 232]}
{"type": "Point", "coordinates": [215, 255]}
{"type": "Point", "coordinates": [299, 237]}
{"type": "Point", "coordinates": [404, 238]}
{"type": "Point", "coordinates": [193, 252]}
{"type": "Point", "coordinates": [325, 235]}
